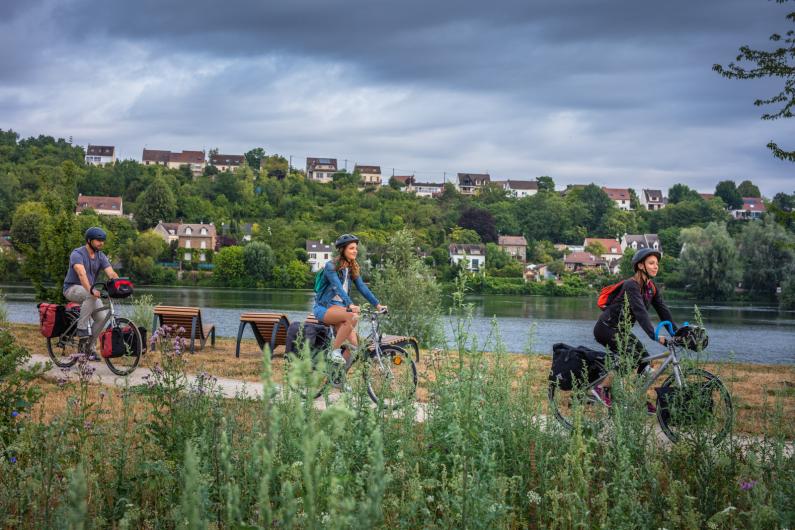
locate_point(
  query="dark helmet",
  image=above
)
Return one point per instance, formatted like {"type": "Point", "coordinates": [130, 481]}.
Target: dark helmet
{"type": "Point", "coordinates": [96, 232]}
{"type": "Point", "coordinates": [345, 239]}
{"type": "Point", "coordinates": [641, 255]}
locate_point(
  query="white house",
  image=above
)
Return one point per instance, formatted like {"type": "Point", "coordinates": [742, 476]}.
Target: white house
{"type": "Point", "coordinates": [100, 154]}
{"type": "Point", "coordinates": [101, 205]}
{"type": "Point", "coordinates": [520, 188]}
{"type": "Point", "coordinates": [321, 169]}
{"type": "Point", "coordinates": [227, 162]}
{"type": "Point", "coordinates": [473, 256]}
{"type": "Point", "coordinates": [319, 254]}
{"type": "Point", "coordinates": [371, 175]}
{"type": "Point", "coordinates": [620, 196]}
{"type": "Point", "coordinates": [639, 241]}
{"type": "Point", "coordinates": [652, 199]}
{"type": "Point", "coordinates": [427, 189]}
{"type": "Point", "coordinates": [753, 208]}
{"type": "Point", "coordinates": [470, 183]}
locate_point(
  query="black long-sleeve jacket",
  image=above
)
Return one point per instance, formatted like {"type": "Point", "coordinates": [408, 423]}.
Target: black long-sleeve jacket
{"type": "Point", "coordinates": [639, 302]}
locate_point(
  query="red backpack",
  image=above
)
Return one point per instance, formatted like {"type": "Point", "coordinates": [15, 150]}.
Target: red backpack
{"type": "Point", "coordinates": [609, 294]}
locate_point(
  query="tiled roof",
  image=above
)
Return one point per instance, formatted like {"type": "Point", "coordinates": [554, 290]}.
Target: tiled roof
{"type": "Point", "coordinates": [753, 204]}
{"type": "Point", "coordinates": [367, 169]}
{"type": "Point", "coordinates": [227, 160]}
{"type": "Point", "coordinates": [653, 195]}
{"type": "Point", "coordinates": [311, 163]}
{"type": "Point", "coordinates": [512, 241]}
{"type": "Point", "coordinates": [404, 179]}
{"type": "Point", "coordinates": [100, 150]}
{"type": "Point", "coordinates": [473, 179]}
{"type": "Point", "coordinates": [196, 229]}
{"type": "Point", "coordinates": [612, 246]}
{"type": "Point", "coordinates": [98, 203]}
{"type": "Point", "coordinates": [317, 246]}
{"type": "Point", "coordinates": [617, 194]}
{"type": "Point", "coordinates": [154, 155]}
{"type": "Point", "coordinates": [521, 184]}
{"type": "Point", "coordinates": [582, 258]}
{"type": "Point", "coordinates": [469, 250]}
{"type": "Point", "coordinates": [187, 157]}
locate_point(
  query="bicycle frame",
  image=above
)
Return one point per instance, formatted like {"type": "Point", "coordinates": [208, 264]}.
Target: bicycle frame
{"type": "Point", "coordinates": [109, 317]}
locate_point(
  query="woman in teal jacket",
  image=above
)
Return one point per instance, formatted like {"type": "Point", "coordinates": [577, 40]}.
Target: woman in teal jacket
{"type": "Point", "coordinates": [333, 305]}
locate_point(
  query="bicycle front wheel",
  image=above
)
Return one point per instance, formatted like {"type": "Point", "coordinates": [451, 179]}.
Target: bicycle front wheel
{"type": "Point", "coordinates": [392, 378]}
{"type": "Point", "coordinates": [698, 409]}
{"type": "Point", "coordinates": [124, 363]}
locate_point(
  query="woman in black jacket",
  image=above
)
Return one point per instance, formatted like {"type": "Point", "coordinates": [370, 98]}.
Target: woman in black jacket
{"type": "Point", "coordinates": [641, 293]}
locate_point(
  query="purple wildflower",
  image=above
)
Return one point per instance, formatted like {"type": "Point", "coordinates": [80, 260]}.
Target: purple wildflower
{"type": "Point", "coordinates": [14, 414]}
{"type": "Point", "coordinates": [88, 424]}
{"type": "Point", "coordinates": [747, 485]}
{"type": "Point", "coordinates": [12, 459]}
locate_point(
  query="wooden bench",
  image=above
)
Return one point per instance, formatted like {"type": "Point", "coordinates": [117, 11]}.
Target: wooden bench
{"type": "Point", "coordinates": [188, 318]}
{"type": "Point", "coordinates": [407, 343]}
{"type": "Point", "coordinates": [268, 328]}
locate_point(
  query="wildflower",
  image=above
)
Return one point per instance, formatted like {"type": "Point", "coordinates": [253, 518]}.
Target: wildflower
{"type": "Point", "coordinates": [12, 459]}
{"type": "Point", "coordinates": [88, 424]}
{"type": "Point", "coordinates": [102, 394]}
{"type": "Point", "coordinates": [533, 497]}
{"type": "Point", "coordinates": [747, 485]}
{"type": "Point", "coordinates": [14, 414]}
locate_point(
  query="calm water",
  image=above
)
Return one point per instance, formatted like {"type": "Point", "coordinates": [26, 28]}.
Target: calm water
{"type": "Point", "coordinates": [744, 333]}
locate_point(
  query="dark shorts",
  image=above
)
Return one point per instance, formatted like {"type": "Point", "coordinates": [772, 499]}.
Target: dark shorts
{"type": "Point", "coordinates": [608, 337]}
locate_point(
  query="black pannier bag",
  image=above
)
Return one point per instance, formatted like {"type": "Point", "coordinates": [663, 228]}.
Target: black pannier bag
{"type": "Point", "coordinates": [683, 406]}
{"type": "Point", "coordinates": [119, 288]}
{"type": "Point", "coordinates": [575, 366]}
{"type": "Point", "coordinates": [317, 336]}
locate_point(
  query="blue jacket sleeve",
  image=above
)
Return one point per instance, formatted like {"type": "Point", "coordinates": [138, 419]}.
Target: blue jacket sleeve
{"type": "Point", "coordinates": [362, 287]}
{"type": "Point", "coordinates": [335, 283]}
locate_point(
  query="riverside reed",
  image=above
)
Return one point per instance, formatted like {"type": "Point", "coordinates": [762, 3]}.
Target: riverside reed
{"type": "Point", "coordinates": [170, 454]}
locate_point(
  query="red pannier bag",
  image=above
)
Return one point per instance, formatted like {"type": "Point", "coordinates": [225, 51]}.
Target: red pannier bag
{"type": "Point", "coordinates": [52, 319]}
{"type": "Point", "coordinates": [119, 288]}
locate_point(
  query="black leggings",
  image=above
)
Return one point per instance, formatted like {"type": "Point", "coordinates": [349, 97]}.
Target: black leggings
{"type": "Point", "coordinates": [609, 338]}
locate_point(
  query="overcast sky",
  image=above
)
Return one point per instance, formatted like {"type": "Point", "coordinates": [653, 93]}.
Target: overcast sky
{"type": "Point", "coordinates": [620, 93]}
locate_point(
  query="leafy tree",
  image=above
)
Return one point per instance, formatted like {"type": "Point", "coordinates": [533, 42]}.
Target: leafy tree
{"type": "Point", "coordinates": [682, 192]}
{"type": "Point", "coordinates": [778, 63]}
{"type": "Point", "coordinates": [625, 265]}
{"type": "Point", "coordinates": [787, 300]}
{"type": "Point", "coordinates": [254, 157]}
{"type": "Point", "coordinates": [496, 257]}
{"type": "Point", "coordinates": [464, 236]}
{"type": "Point", "coordinates": [748, 189]}
{"type": "Point", "coordinates": [275, 166]}
{"type": "Point", "coordinates": [545, 183]}
{"type": "Point", "coordinates": [727, 190]}
{"type": "Point", "coordinates": [596, 248]}
{"type": "Point", "coordinates": [155, 204]}
{"type": "Point", "coordinates": [767, 253]}
{"type": "Point", "coordinates": [259, 260]}
{"type": "Point", "coordinates": [293, 275]}
{"type": "Point", "coordinates": [597, 207]}
{"type": "Point", "coordinates": [28, 225]}
{"type": "Point", "coordinates": [670, 240]}
{"type": "Point", "coordinates": [634, 200]}
{"type": "Point", "coordinates": [139, 256]}
{"type": "Point", "coordinates": [481, 221]}
{"type": "Point", "coordinates": [229, 267]}
{"type": "Point", "coordinates": [710, 261]}
{"type": "Point", "coordinates": [396, 284]}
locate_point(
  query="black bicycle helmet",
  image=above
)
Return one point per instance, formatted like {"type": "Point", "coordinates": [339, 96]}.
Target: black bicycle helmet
{"type": "Point", "coordinates": [96, 232]}
{"type": "Point", "coordinates": [346, 239]}
{"type": "Point", "coordinates": [641, 255]}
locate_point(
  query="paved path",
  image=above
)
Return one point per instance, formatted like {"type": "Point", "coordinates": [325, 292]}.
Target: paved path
{"type": "Point", "coordinates": [234, 387]}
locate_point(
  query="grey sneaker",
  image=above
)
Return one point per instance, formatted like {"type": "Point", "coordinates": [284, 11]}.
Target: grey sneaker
{"type": "Point", "coordinates": [336, 356]}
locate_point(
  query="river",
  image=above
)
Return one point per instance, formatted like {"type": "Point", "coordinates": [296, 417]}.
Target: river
{"type": "Point", "coordinates": [743, 333]}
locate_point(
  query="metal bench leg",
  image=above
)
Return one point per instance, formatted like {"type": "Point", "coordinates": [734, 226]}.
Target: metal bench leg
{"type": "Point", "coordinates": [239, 337]}
{"type": "Point", "coordinates": [192, 334]}
{"type": "Point", "coordinates": [212, 338]}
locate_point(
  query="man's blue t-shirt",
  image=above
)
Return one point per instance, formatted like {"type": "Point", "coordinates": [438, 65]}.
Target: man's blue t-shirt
{"type": "Point", "coordinates": [93, 266]}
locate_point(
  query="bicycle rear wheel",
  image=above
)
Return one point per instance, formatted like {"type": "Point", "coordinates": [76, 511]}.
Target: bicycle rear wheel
{"type": "Point", "coordinates": [392, 381]}
{"type": "Point", "coordinates": [65, 350]}
{"type": "Point", "coordinates": [133, 343]}
{"type": "Point", "coordinates": [580, 403]}
{"type": "Point", "coordinates": [699, 409]}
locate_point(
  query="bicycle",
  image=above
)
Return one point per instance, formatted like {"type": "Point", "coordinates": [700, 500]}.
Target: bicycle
{"type": "Point", "coordinates": [690, 402]}
{"type": "Point", "coordinates": [388, 370]}
{"type": "Point", "coordinates": [64, 350]}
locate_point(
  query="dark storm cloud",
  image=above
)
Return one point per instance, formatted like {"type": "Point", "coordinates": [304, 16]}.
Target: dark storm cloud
{"type": "Point", "coordinates": [583, 89]}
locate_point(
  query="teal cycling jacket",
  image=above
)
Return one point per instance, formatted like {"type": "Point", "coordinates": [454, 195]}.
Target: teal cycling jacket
{"type": "Point", "coordinates": [334, 288]}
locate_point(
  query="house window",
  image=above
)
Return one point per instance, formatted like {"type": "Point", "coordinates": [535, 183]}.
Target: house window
{"type": "Point", "coordinates": [204, 244]}
{"type": "Point", "coordinates": [186, 257]}
{"type": "Point", "coordinates": [204, 231]}
{"type": "Point", "coordinates": [312, 255]}
{"type": "Point", "coordinates": [202, 257]}
{"type": "Point", "coordinates": [475, 263]}
{"type": "Point", "coordinates": [325, 256]}
{"type": "Point", "coordinates": [187, 243]}
{"type": "Point", "coordinates": [188, 231]}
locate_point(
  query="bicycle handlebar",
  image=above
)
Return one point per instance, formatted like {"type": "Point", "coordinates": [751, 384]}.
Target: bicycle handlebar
{"type": "Point", "coordinates": [669, 327]}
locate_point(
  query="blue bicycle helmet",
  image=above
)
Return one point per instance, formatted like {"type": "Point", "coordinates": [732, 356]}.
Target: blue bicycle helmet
{"type": "Point", "coordinates": [346, 239]}
{"type": "Point", "coordinates": [641, 255]}
{"type": "Point", "coordinates": [96, 232]}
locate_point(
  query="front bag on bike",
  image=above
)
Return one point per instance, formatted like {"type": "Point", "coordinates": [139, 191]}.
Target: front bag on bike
{"type": "Point", "coordinates": [575, 366]}
{"type": "Point", "coordinates": [52, 319]}
{"type": "Point", "coordinates": [119, 288]}
{"type": "Point", "coordinates": [684, 406]}
{"type": "Point", "coordinates": [117, 342]}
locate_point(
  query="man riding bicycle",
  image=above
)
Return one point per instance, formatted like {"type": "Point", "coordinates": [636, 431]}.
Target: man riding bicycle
{"type": "Point", "coordinates": [641, 293]}
{"type": "Point", "coordinates": [85, 263]}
